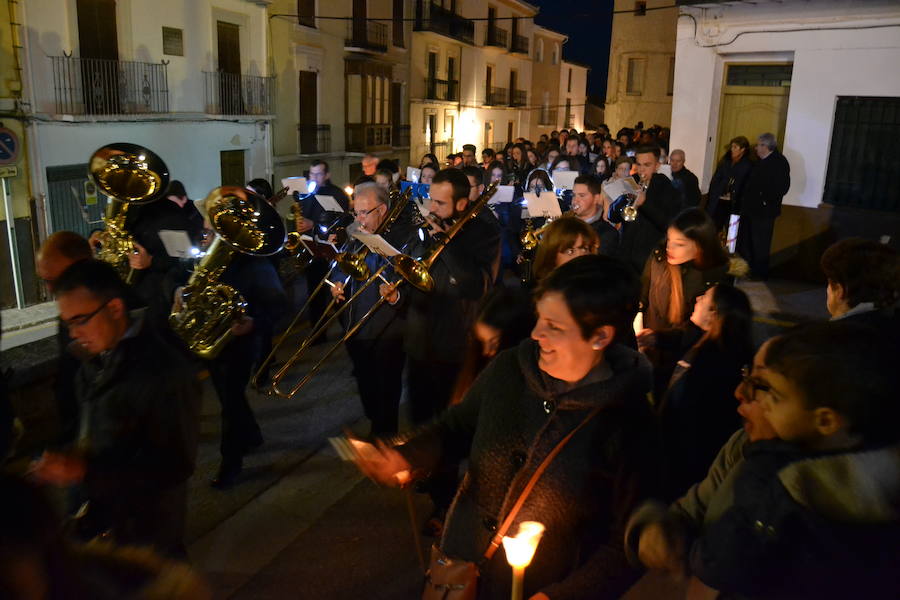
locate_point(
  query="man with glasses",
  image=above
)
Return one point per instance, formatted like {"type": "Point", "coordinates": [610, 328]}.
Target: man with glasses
{"type": "Point", "coordinates": [376, 349]}
{"type": "Point", "coordinates": [138, 415]}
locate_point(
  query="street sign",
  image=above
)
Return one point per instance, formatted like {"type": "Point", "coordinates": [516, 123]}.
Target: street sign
{"type": "Point", "coordinates": [9, 146]}
{"type": "Point", "coordinates": [9, 171]}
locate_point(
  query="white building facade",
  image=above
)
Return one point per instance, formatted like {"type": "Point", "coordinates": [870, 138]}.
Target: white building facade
{"type": "Point", "coordinates": [807, 72]}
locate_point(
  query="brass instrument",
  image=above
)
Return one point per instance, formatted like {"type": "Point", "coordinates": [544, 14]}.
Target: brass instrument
{"type": "Point", "coordinates": [413, 271]}
{"type": "Point", "coordinates": [128, 174]}
{"type": "Point", "coordinates": [630, 211]}
{"type": "Point", "coordinates": [246, 223]}
{"type": "Point", "coordinates": [352, 264]}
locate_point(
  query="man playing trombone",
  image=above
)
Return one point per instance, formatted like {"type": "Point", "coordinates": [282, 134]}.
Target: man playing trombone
{"type": "Point", "coordinates": [376, 348]}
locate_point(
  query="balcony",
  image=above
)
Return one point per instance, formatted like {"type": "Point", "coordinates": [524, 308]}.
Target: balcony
{"type": "Point", "coordinates": [366, 35]}
{"type": "Point", "coordinates": [497, 37]}
{"type": "Point", "coordinates": [361, 137]}
{"type": "Point", "coordinates": [432, 17]}
{"type": "Point", "coordinates": [314, 139]}
{"type": "Point", "coordinates": [518, 98]}
{"type": "Point", "coordinates": [548, 116]}
{"type": "Point", "coordinates": [97, 86]}
{"type": "Point", "coordinates": [519, 44]}
{"type": "Point", "coordinates": [401, 136]}
{"type": "Point", "coordinates": [496, 97]}
{"type": "Point", "coordinates": [234, 94]}
{"type": "Point", "coordinates": [441, 89]}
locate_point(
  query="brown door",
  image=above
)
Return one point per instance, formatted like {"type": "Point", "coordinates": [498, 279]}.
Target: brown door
{"type": "Point", "coordinates": [513, 82]}
{"type": "Point", "coordinates": [231, 163]}
{"type": "Point", "coordinates": [309, 110]}
{"type": "Point", "coordinates": [99, 45]}
{"type": "Point", "coordinates": [509, 132]}
{"type": "Point", "coordinates": [432, 75]}
{"type": "Point", "coordinates": [488, 82]}
{"type": "Point", "coordinates": [229, 46]}
{"type": "Point", "coordinates": [359, 22]}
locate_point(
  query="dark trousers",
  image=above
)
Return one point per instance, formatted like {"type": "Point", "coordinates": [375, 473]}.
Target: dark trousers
{"type": "Point", "coordinates": [754, 241]}
{"type": "Point", "coordinates": [230, 373]}
{"type": "Point", "coordinates": [430, 385]}
{"type": "Point", "coordinates": [378, 368]}
{"type": "Point", "coordinates": [315, 273]}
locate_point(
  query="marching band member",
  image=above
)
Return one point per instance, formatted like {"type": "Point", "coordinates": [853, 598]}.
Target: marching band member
{"type": "Point", "coordinates": [587, 204]}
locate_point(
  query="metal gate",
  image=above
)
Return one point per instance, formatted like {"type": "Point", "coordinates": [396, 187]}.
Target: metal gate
{"type": "Point", "coordinates": [74, 203]}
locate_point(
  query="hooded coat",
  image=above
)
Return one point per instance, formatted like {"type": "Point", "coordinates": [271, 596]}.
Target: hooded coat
{"type": "Point", "coordinates": [512, 417]}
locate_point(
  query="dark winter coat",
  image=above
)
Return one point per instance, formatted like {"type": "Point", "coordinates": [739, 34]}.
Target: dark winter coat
{"type": "Point", "coordinates": [729, 178]}
{"type": "Point", "coordinates": [643, 234]}
{"type": "Point", "coordinates": [815, 526]}
{"type": "Point", "coordinates": [688, 187]}
{"type": "Point", "coordinates": [767, 183]}
{"type": "Point", "coordinates": [513, 415]}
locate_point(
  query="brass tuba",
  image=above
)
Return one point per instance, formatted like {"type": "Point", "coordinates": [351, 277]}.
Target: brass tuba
{"type": "Point", "coordinates": [128, 174]}
{"type": "Point", "coordinates": [246, 223]}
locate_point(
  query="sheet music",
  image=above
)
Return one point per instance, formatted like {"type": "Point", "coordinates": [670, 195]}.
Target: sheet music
{"type": "Point", "coordinates": [373, 242]}
{"type": "Point", "coordinates": [504, 194]}
{"type": "Point", "coordinates": [616, 188]}
{"type": "Point", "coordinates": [176, 242]}
{"type": "Point", "coordinates": [328, 203]}
{"type": "Point", "coordinates": [413, 174]}
{"type": "Point", "coordinates": [295, 184]}
{"type": "Point", "coordinates": [565, 179]}
{"type": "Point", "coordinates": [545, 205]}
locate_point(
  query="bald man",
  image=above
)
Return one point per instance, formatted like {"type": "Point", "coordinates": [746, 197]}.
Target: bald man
{"type": "Point", "coordinates": [684, 182]}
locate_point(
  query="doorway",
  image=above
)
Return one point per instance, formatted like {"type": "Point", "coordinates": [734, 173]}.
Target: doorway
{"type": "Point", "coordinates": [231, 164]}
{"type": "Point", "coordinates": [754, 101]}
{"type": "Point", "coordinates": [229, 47]}
{"type": "Point", "coordinates": [488, 134]}
{"type": "Point", "coordinates": [99, 50]}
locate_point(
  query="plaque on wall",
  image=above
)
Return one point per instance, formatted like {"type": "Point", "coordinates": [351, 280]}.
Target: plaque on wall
{"type": "Point", "coordinates": [173, 41]}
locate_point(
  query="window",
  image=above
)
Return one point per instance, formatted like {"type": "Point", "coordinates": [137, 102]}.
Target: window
{"type": "Point", "coordinates": [670, 85]}
{"type": "Point", "coordinates": [640, 8]}
{"type": "Point", "coordinates": [635, 83]}
{"type": "Point", "coordinates": [398, 24]}
{"type": "Point", "coordinates": [539, 52]}
{"type": "Point", "coordinates": [555, 59]}
{"type": "Point", "coordinates": [760, 75]}
{"type": "Point", "coordinates": [569, 85]}
{"type": "Point", "coordinates": [306, 12]}
{"type": "Point", "coordinates": [863, 164]}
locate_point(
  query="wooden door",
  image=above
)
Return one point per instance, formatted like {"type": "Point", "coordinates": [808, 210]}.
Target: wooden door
{"type": "Point", "coordinates": [359, 22]}
{"type": "Point", "coordinates": [231, 163]}
{"type": "Point", "coordinates": [308, 112]}
{"type": "Point", "coordinates": [509, 132]}
{"type": "Point", "coordinates": [98, 42]}
{"type": "Point", "coordinates": [488, 134]}
{"type": "Point", "coordinates": [750, 110]}
{"type": "Point", "coordinates": [229, 47]}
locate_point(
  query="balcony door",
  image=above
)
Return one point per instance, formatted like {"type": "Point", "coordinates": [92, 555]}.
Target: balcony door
{"type": "Point", "coordinates": [359, 23]}
{"type": "Point", "coordinates": [308, 113]}
{"type": "Point", "coordinates": [99, 45]}
{"type": "Point", "coordinates": [228, 37]}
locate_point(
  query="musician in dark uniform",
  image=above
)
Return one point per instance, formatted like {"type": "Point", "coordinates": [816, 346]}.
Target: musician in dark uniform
{"type": "Point", "coordinates": [657, 205]}
{"type": "Point", "coordinates": [314, 217]}
{"type": "Point", "coordinates": [587, 204]}
{"type": "Point", "coordinates": [376, 349]}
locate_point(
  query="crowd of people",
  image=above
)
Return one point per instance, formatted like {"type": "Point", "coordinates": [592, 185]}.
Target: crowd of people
{"type": "Point", "coordinates": [594, 372]}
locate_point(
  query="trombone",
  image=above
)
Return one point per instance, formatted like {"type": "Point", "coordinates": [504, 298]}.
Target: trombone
{"type": "Point", "coordinates": [351, 263]}
{"type": "Point", "coordinates": [413, 271]}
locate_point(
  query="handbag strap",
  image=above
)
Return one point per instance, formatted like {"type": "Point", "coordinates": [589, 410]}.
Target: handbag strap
{"type": "Point", "coordinates": [508, 521]}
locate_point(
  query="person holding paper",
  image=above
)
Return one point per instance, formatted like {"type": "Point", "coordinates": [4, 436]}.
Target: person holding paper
{"type": "Point", "coordinates": [587, 204]}
{"type": "Point", "coordinates": [657, 204]}
{"type": "Point", "coordinates": [376, 350]}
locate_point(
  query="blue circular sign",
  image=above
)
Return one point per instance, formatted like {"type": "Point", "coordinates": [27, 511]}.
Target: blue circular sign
{"type": "Point", "coordinates": [9, 146]}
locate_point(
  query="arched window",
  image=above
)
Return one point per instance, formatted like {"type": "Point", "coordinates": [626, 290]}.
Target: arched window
{"type": "Point", "coordinates": [539, 52]}
{"type": "Point", "coordinates": [555, 54]}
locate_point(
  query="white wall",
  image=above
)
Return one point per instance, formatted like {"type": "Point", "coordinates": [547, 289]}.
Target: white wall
{"type": "Point", "coordinates": [856, 52]}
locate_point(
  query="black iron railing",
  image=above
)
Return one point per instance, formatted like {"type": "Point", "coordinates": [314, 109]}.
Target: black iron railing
{"type": "Point", "coordinates": [401, 136]}
{"type": "Point", "coordinates": [497, 37]}
{"type": "Point", "coordinates": [519, 44]}
{"type": "Point", "coordinates": [441, 89]}
{"type": "Point", "coordinates": [369, 35]}
{"type": "Point", "coordinates": [234, 94]}
{"type": "Point", "coordinates": [518, 98]}
{"type": "Point", "coordinates": [547, 116]}
{"type": "Point", "coordinates": [496, 96]}
{"type": "Point", "coordinates": [98, 86]}
{"type": "Point", "coordinates": [432, 17]}
{"type": "Point", "coordinates": [362, 138]}
{"type": "Point", "coordinates": [314, 139]}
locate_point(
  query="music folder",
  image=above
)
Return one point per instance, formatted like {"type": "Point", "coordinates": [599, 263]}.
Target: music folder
{"type": "Point", "coordinates": [295, 184]}
{"type": "Point", "coordinates": [329, 204]}
{"type": "Point", "coordinates": [176, 242]}
{"type": "Point", "coordinates": [545, 205]}
{"type": "Point", "coordinates": [373, 242]}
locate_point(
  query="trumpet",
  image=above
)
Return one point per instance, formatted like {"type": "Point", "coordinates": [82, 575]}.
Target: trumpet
{"type": "Point", "coordinates": [129, 175]}
{"type": "Point", "coordinates": [411, 270]}
{"type": "Point", "coordinates": [351, 263]}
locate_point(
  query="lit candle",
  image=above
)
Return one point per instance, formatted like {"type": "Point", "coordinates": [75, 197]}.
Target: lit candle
{"type": "Point", "coordinates": [348, 190]}
{"type": "Point", "coordinates": [638, 323]}
{"type": "Point", "coordinates": [519, 552]}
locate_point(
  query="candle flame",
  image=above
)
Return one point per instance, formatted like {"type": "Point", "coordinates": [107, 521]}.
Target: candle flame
{"type": "Point", "coordinates": [520, 549]}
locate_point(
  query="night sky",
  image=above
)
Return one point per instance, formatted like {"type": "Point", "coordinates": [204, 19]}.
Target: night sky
{"type": "Point", "coordinates": [588, 24]}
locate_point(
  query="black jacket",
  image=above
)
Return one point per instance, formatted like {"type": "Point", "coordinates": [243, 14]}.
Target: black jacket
{"type": "Point", "coordinates": [687, 185]}
{"type": "Point", "coordinates": [139, 426]}
{"type": "Point", "coordinates": [438, 322]}
{"type": "Point", "coordinates": [728, 178]}
{"type": "Point", "coordinates": [513, 415]}
{"type": "Point", "coordinates": [641, 235]}
{"type": "Point", "coordinates": [609, 235]}
{"type": "Point", "coordinates": [768, 182]}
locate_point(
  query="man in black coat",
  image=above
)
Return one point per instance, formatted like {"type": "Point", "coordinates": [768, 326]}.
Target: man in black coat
{"type": "Point", "coordinates": [767, 184]}
{"type": "Point", "coordinates": [657, 205]}
{"type": "Point", "coordinates": [683, 180]}
{"type": "Point", "coordinates": [587, 204]}
{"type": "Point", "coordinates": [139, 406]}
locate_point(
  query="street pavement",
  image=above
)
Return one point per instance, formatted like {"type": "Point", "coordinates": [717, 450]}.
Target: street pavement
{"type": "Point", "coordinates": [303, 524]}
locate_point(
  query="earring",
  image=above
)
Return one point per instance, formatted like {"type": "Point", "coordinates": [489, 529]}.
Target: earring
{"type": "Point", "coordinates": [596, 346]}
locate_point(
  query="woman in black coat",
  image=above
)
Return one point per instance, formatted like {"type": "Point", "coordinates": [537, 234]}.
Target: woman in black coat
{"type": "Point", "coordinates": [727, 183]}
{"type": "Point", "coordinates": [698, 410]}
{"type": "Point", "coordinates": [518, 409]}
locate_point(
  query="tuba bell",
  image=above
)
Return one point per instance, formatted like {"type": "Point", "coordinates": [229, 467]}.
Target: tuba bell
{"type": "Point", "coordinates": [129, 175]}
{"type": "Point", "coordinates": [244, 222]}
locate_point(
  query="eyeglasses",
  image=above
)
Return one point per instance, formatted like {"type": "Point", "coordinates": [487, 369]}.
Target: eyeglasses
{"type": "Point", "coordinates": [82, 320]}
{"type": "Point", "coordinates": [365, 213]}
{"type": "Point", "coordinates": [753, 383]}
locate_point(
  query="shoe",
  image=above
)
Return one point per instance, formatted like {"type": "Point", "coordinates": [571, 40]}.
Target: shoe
{"type": "Point", "coordinates": [229, 472]}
